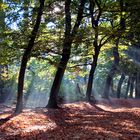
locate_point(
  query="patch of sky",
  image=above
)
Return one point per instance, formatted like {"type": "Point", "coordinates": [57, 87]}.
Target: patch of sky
{"type": "Point", "coordinates": [51, 25]}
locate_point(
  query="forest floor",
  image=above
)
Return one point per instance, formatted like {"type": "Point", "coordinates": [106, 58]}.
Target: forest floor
{"type": "Point", "coordinates": [109, 120]}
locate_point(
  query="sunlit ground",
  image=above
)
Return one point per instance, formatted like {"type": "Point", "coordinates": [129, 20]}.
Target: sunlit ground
{"type": "Point", "coordinates": [119, 120]}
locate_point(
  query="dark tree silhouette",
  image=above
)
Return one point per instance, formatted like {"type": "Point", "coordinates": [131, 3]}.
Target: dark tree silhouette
{"type": "Point", "coordinates": [112, 71]}
{"type": "Point", "coordinates": [26, 56]}
{"type": "Point", "coordinates": [69, 36]}
{"type": "Point", "coordinates": [120, 85]}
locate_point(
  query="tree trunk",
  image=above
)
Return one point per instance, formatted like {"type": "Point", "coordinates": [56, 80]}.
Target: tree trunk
{"type": "Point", "coordinates": [91, 74]}
{"type": "Point", "coordinates": [57, 81]}
{"type": "Point", "coordinates": [1, 91]}
{"type": "Point", "coordinates": [120, 85]}
{"type": "Point", "coordinates": [86, 66]}
{"type": "Point", "coordinates": [26, 56]}
{"type": "Point", "coordinates": [109, 80]}
{"type": "Point", "coordinates": [2, 29]}
{"type": "Point", "coordinates": [131, 87]}
{"type": "Point", "coordinates": [112, 71]}
{"type": "Point", "coordinates": [3, 78]}
{"type": "Point", "coordinates": [78, 90]}
{"type": "Point", "coordinates": [97, 47]}
{"type": "Point", "coordinates": [127, 89]}
{"type": "Point", "coordinates": [137, 85]}
{"type": "Point", "coordinates": [112, 88]}
{"type": "Point", "coordinates": [69, 36]}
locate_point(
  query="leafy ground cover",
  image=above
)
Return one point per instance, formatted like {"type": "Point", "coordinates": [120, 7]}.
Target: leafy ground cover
{"type": "Point", "coordinates": [113, 119]}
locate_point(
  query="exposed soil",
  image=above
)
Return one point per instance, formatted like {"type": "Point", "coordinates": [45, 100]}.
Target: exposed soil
{"type": "Point", "coordinates": [110, 120]}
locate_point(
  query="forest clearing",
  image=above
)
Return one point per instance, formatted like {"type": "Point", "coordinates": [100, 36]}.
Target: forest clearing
{"type": "Point", "coordinates": [79, 120]}
{"type": "Point", "coordinates": [69, 69]}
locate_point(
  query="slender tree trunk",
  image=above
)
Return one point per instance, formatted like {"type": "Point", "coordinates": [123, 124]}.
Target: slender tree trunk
{"type": "Point", "coordinates": [137, 85]}
{"type": "Point", "coordinates": [131, 87]}
{"type": "Point", "coordinates": [120, 85]}
{"type": "Point", "coordinates": [26, 56]}
{"type": "Point", "coordinates": [69, 36]}
{"type": "Point", "coordinates": [109, 80]}
{"type": "Point", "coordinates": [78, 90]}
{"type": "Point", "coordinates": [115, 53]}
{"type": "Point", "coordinates": [85, 69]}
{"type": "Point", "coordinates": [3, 78]}
{"type": "Point", "coordinates": [1, 91]}
{"type": "Point", "coordinates": [86, 66]}
{"type": "Point", "coordinates": [57, 81]}
{"type": "Point", "coordinates": [97, 47]}
{"type": "Point", "coordinates": [112, 71]}
{"type": "Point", "coordinates": [112, 88]}
{"type": "Point", "coordinates": [91, 74]}
{"type": "Point", "coordinates": [2, 29]}
{"type": "Point", "coordinates": [127, 89]}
